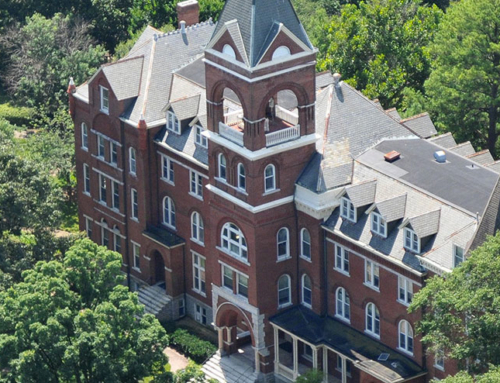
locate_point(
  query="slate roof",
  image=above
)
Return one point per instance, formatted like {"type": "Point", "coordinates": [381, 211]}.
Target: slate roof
{"type": "Point", "coordinates": [362, 194]}
{"type": "Point", "coordinates": [495, 166]}
{"type": "Point", "coordinates": [483, 157]}
{"type": "Point", "coordinates": [490, 221]}
{"type": "Point", "coordinates": [445, 140]}
{"type": "Point", "coordinates": [464, 149]}
{"type": "Point", "coordinates": [258, 22]}
{"type": "Point", "coordinates": [124, 77]}
{"type": "Point", "coordinates": [186, 108]}
{"type": "Point", "coordinates": [421, 125]}
{"type": "Point", "coordinates": [391, 209]}
{"type": "Point", "coordinates": [394, 114]}
{"type": "Point", "coordinates": [425, 224]}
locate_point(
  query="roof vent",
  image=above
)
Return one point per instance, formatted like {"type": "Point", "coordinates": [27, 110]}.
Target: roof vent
{"type": "Point", "coordinates": [336, 79]}
{"type": "Point", "coordinates": [383, 357]}
{"type": "Point", "coordinates": [183, 26]}
{"type": "Point", "coordinates": [392, 156]}
{"type": "Point", "coordinates": [440, 156]}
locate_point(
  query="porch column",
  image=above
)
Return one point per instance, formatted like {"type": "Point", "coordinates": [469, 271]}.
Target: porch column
{"type": "Point", "coordinates": [344, 369]}
{"type": "Point", "coordinates": [276, 349]}
{"type": "Point", "coordinates": [257, 360]}
{"type": "Point", "coordinates": [295, 358]}
{"type": "Point", "coordinates": [325, 364]}
{"type": "Point", "coordinates": [315, 358]}
{"type": "Point", "coordinates": [220, 333]}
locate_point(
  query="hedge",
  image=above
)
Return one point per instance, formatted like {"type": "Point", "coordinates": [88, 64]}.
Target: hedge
{"type": "Point", "coordinates": [192, 346]}
{"type": "Point", "coordinates": [19, 116]}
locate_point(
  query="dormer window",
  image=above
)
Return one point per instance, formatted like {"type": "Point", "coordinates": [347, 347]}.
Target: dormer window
{"type": "Point", "coordinates": [104, 99]}
{"type": "Point", "coordinates": [200, 139]}
{"type": "Point", "coordinates": [173, 123]}
{"type": "Point", "coordinates": [229, 51]}
{"type": "Point", "coordinates": [412, 242]}
{"type": "Point", "coordinates": [458, 256]}
{"type": "Point", "coordinates": [347, 210]}
{"type": "Point", "coordinates": [379, 225]}
{"type": "Point", "coordinates": [280, 52]}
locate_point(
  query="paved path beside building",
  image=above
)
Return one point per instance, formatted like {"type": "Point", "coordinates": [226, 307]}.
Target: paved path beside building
{"type": "Point", "coordinates": [177, 361]}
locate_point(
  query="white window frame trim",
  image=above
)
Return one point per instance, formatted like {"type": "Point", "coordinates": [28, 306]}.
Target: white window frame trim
{"type": "Point", "coordinates": [274, 185]}
{"type": "Point", "coordinates": [455, 247]}
{"type": "Point", "coordinates": [408, 327]}
{"type": "Point", "coordinates": [346, 203]}
{"type": "Point", "coordinates": [173, 123]}
{"type": "Point", "coordinates": [200, 139]}
{"type": "Point", "coordinates": [302, 241]}
{"type": "Point", "coordinates": [407, 282]}
{"type": "Point", "coordinates": [342, 316]}
{"type": "Point", "coordinates": [84, 136]}
{"type": "Point", "coordinates": [132, 159]}
{"type": "Point", "coordinates": [171, 204]}
{"type": "Point", "coordinates": [413, 234]}
{"type": "Point", "coordinates": [373, 266]}
{"type": "Point", "coordinates": [200, 270]}
{"type": "Point", "coordinates": [373, 321]}
{"type": "Point", "coordinates": [289, 303]}
{"type": "Point", "coordinates": [302, 285]}
{"type": "Point", "coordinates": [343, 257]}
{"type": "Point", "coordinates": [165, 160]}
{"type": "Point", "coordinates": [198, 188]}
{"type": "Point", "coordinates": [287, 243]}
{"type": "Point", "coordinates": [199, 220]}
{"type": "Point", "coordinates": [103, 108]}
{"type": "Point", "coordinates": [381, 223]}
{"type": "Point", "coordinates": [132, 214]}
{"type": "Point", "coordinates": [134, 244]}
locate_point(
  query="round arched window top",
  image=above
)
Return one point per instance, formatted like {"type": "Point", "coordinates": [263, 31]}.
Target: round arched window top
{"type": "Point", "coordinates": [228, 50]}
{"type": "Point", "coordinates": [281, 51]}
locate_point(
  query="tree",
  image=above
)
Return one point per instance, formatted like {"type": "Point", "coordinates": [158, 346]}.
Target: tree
{"type": "Point", "coordinates": [72, 321]}
{"type": "Point", "coordinates": [461, 312]}
{"type": "Point", "coordinates": [492, 376]}
{"type": "Point", "coordinates": [311, 376]}
{"type": "Point", "coordinates": [463, 88]}
{"type": "Point", "coordinates": [380, 47]}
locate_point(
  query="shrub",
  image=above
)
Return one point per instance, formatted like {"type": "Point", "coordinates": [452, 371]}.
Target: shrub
{"type": "Point", "coordinates": [190, 345]}
{"type": "Point", "coordinates": [19, 116]}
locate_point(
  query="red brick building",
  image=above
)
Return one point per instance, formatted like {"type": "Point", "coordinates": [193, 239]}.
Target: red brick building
{"type": "Point", "coordinates": [249, 192]}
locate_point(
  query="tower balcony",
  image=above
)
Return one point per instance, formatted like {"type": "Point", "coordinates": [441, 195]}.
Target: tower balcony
{"type": "Point", "coordinates": [280, 128]}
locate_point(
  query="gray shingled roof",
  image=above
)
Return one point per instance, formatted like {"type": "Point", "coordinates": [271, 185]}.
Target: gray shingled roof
{"type": "Point", "coordinates": [483, 157]}
{"type": "Point", "coordinates": [495, 166]}
{"type": "Point", "coordinates": [445, 140]}
{"type": "Point", "coordinates": [490, 221]}
{"type": "Point", "coordinates": [124, 77]}
{"type": "Point", "coordinates": [324, 79]}
{"type": "Point", "coordinates": [391, 209]}
{"type": "Point", "coordinates": [184, 142]}
{"type": "Point", "coordinates": [464, 149]}
{"type": "Point", "coordinates": [186, 108]}
{"type": "Point", "coordinates": [393, 112]}
{"type": "Point", "coordinates": [425, 224]}
{"type": "Point", "coordinates": [421, 125]}
{"type": "Point", "coordinates": [362, 194]}
{"type": "Point", "coordinates": [257, 19]}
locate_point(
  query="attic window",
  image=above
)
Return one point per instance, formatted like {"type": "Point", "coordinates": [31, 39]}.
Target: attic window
{"type": "Point", "coordinates": [347, 210]}
{"type": "Point", "coordinates": [229, 51]}
{"type": "Point", "coordinates": [412, 242]}
{"type": "Point", "coordinates": [173, 123]}
{"type": "Point", "coordinates": [280, 52]}
{"type": "Point", "coordinates": [379, 226]}
{"type": "Point", "coordinates": [104, 92]}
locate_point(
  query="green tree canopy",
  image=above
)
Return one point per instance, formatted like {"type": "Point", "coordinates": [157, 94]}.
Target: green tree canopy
{"type": "Point", "coordinates": [380, 47]}
{"type": "Point", "coordinates": [71, 321]}
{"type": "Point", "coordinates": [461, 312]}
{"type": "Point", "coordinates": [463, 88]}
{"type": "Point", "coordinates": [492, 376]}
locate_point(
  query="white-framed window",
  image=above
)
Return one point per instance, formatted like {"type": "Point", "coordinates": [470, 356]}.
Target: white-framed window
{"type": "Point", "coordinates": [136, 252]}
{"type": "Point", "coordinates": [167, 169]}
{"type": "Point", "coordinates": [200, 138]}
{"type": "Point", "coordinates": [405, 290]}
{"type": "Point", "coordinates": [227, 277]}
{"type": "Point", "coordinates": [242, 182]}
{"type": "Point", "coordinates": [222, 165]}
{"type": "Point", "coordinates": [182, 307]}
{"type": "Point", "coordinates": [458, 255]}
{"type": "Point", "coordinates": [101, 146]}
{"type": "Point", "coordinates": [228, 50]}
{"type": "Point", "coordinates": [242, 285]}
{"type": "Point", "coordinates": [307, 352]}
{"type": "Point", "coordinates": [305, 244]}
{"type": "Point", "coordinates": [281, 51]}
{"type": "Point", "coordinates": [233, 240]}
{"type": "Point", "coordinates": [116, 195]}
{"type": "Point", "coordinates": [341, 259]}
{"type": "Point", "coordinates": [134, 202]}
{"type": "Point", "coordinates": [117, 240]}
{"type": "Point", "coordinates": [102, 189]}
{"type": "Point", "coordinates": [85, 136]}
{"type": "Point", "coordinates": [132, 161]}
{"type": "Point", "coordinates": [196, 184]}
{"type": "Point", "coordinates": [347, 365]}
{"type": "Point", "coordinates": [113, 152]}
{"type": "Point", "coordinates": [169, 212]}
{"type": "Point", "coordinates": [372, 320]}
{"type": "Point", "coordinates": [104, 235]}
{"type": "Point", "coordinates": [197, 228]}
{"type": "Point", "coordinates": [405, 336]}
{"type": "Point", "coordinates": [173, 123]}
{"type": "Point", "coordinates": [306, 290]}
{"type": "Point", "coordinates": [269, 178]}
{"type": "Point", "coordinates": [347, 209]}
{"type": "Point", "coordinates": [342, 304]}
{"type": "Point", "coordinates": [199, 273]}
{"type": "Point", "coordinates": [104, 92]}
{"type": "Point", "coordinates": [283, 243]}
{"type": "Point", "coordinates": [284, 291]}
{"type": "Point", "coordinates": [412, 242]}
{"type": "Point", "coordinates": [372, 278]}
{"type": "Point", "coordinates": [439, 359]}
{"type": "Point", "coordinates": [200, 314]}
{"type": "Point", "coordinates": [379, 226]}
{"type": "Point", "coordinates": [86, 179]}
{"type": "Point", "coordinates": [88, 226]}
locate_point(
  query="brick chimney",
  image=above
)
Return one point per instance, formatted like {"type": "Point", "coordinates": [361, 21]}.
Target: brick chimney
{"type": "Point", "coordinates": [188, 11]}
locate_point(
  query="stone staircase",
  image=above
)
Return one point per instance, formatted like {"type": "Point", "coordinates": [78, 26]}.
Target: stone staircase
{"type": "Point", "coordinates": [230, 369]}
{"type": "Point", "coordinates": [154, 299]}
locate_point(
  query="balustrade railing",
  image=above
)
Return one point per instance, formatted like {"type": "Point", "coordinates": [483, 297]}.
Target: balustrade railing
{"type": "Point", "coordinates": [286, 115]}
{"type": "Point", "coordinates": [231, 134]}
{"type": "Point", "coordinates": [283, 135]}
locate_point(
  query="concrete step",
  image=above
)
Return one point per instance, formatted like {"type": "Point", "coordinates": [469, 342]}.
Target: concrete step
{"type": "Point", "coordinates": [153, 298]}
{"type": "Point", "coordinates": [229, 370]}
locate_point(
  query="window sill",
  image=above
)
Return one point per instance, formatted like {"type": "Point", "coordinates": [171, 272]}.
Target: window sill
{"type": "Point", "coordinates": [242, 298]}
{"type": "Point", "coordinates": [403, 302]}
{"type": "Point", "coordinates": [136, 269]}
{"type": "Point", "coordinates": [134, 219]}
{"type": "Point", "coordinates": [242, 191]}
{"type": "Point", "coordinates": [440, 368]}
{"type": "Point", "coordinates": [105, 111]}
{"type": "Point", "coordinates": [370, 286]}
{"type": "Point", "coordinates": [199, 243]}
{"type": "Point", "coordinates": [348, 220]}
{"type": "Point", "coordinates": [200, 293]}
{"type": "Point", "coordinates": [268, 192]}
{"type": "Point", "coordinates": [306, 305]}
{"type": "Point", "coordinates": [342, 272]}
{"type": "Point", "coordinates": [376, 234]}
{"type": "Point", "coordinates": [133, 174]}
{"type": "Point", "coordinates": [195, 196]}
{"type": "Point", "coordinates": [167, 181]}
{"type": "Point", "coordinates": [242, 260]}
{"type": "Point", "coordinates": [343, 319]}
{"type": "Point", "coordinates": [372, 334]}
{"type": "Point", "coordinates": [281, 259]}
{"type": "Point", "coordinates": [85, 149]}
{"type": "Point", "coordinates": [284, 305]}
{"type": "Point", "coordinates": [406, 352]}
{"type": "Point", "coordinates": [167, 225]}
{"type": "Point", "coordinates": [87, 194]}
{"type": "Point", "coordinates": [307, 259]}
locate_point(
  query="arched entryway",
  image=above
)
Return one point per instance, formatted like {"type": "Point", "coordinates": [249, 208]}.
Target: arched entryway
{"type": "Point", "coordinates": [159, 270]}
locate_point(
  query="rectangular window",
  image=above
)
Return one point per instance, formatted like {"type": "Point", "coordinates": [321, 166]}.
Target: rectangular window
{"type": "Point", "coordinates": [227, 277]}
{"type": "Point", "coordinates": [439, 360]}
{"type": "Point", "coordinates": [118, 243]}
{"type": "Point", "coordinates": [85, 136]}
{"type": "Point", "coordinates": [341, 259]}
{"type": "Point", "coordinates": [86, 177]}
{"type": "Point", "coordinates": [242, 285]}
{"type": "Point", "coordinates": [196, 185]}
{"type": "Point", "coordinates": [458, 256]}
{"type": "Point", "coordinates": [347, 210]}
{"type": "Point", "coordinates": [167, 169]}
{"type": "Point", "coordinates": [132, 161]}
{"type": "Point", "coordinates": [113, 150]}
{"type": "Point", "coordinates": [372, 274]}
{"type": "Point", "coordinates": [379, 226]}
{"type": "Point", "coordinates": [201, 139]}
{"type": "Point", "coordinates": [102, 188]}
{"type": "Point", "coordinates": [101, 147]}
{"type": "Point", "coordinates": [136, 249]}
{"type": "Point", "coordinates": [201, 314]}
{"type": "Point", "coordinates": [412, 242]}
{"type": "Point", "coordinates": [173, 123]}
{"type": "Point", "coordinates": [135, 204]}
{"type": "Point", "coordinates": [116, 195]}
{"type": "Point", "coordinates": [405, 288]}
{"type": "Point", "coordinates": [199, 273]}
{"type": "Point", "coordinates": [104, 237]}
{"type": "Point", "coordinates": [104, 100]}
{"type": "Point", "coordinates": [88, 227]}
{"type": "Point", "coordinates": [182, 307]}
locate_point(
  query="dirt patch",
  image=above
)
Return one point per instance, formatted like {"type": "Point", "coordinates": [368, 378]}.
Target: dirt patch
{"type": "Point", "coordinates": [176, 360]}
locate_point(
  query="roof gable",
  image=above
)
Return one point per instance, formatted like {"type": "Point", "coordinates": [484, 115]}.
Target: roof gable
{"type": "Point", "coordinates": [124, 77]}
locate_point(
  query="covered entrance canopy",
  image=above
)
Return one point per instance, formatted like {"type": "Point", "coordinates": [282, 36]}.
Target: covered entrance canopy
{"type": "Point", "coordinates": [365, 354]}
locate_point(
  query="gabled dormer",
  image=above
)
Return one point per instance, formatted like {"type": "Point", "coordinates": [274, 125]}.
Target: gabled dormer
{"type": "Point", "coordinates": [180, 113]}
{"type": "Point", "coordinates": [419, 230]}
{"type": "Point", "coordinates": [355, 199]}
{"type": "Point", "coordinates": [385, 215]}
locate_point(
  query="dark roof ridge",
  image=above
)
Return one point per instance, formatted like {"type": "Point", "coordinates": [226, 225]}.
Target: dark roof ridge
{"type": "Point", "coordinates": [478, 153]}
{"type": "Point", "coordinates": [460, 145]}
{"type": "Point", "coordinates": [414, 117]}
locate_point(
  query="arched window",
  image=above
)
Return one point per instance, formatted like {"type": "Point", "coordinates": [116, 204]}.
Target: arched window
{"type": "Point", "coordinates": [372, 319]}
{"type": "Point", "coordinates": [168, 212]}
{"type": "Point", "coordinates": [241, 177]}
{"type": "Point", "coordinates": [283, 243]}
{"type": "Point", "coordinates": [228, 50]}
{"type": "Point", "coordinates": [104, 233]}
{"type": "Point", "coordinates": [85, 136]}
{"type": "Point", "coordinates": [222, 167]}
{"type": "Point", "coordinates": [306, 290]}
{"type": "Point", "coordinates": [117, 245]}
{"type": "Point", "coordinates": [197, 228]}
{"type": "Point", "coordinates": [284, 293]}
{"type": "Point", "coordinates": [281, 51]}
{"type": "Point", "coordinates": [132, 161]}
{"type": "Point", "coordinates": [233, 240]}
{"type": "Point", "coordinates": [305, 244]}
{"type": "Point", "coordinates": [405, 336]}
{"type": "Point", "coordinates": [342, 304]}
{"type": "Point", "coordinates": [269, 178]}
